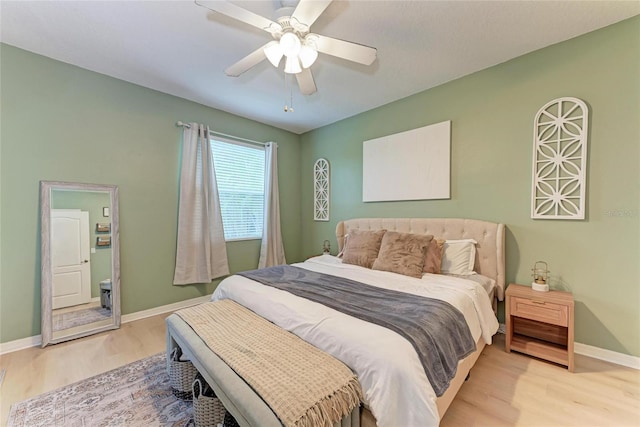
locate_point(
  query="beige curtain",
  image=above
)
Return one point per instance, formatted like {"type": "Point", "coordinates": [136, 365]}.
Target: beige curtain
{"type": "Point", "coordinates": [201, 253]}
{"type": "Point", "coordinates": [272, 249]}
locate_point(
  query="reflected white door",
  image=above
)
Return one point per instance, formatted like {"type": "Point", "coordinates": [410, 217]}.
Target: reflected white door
{"type": "Point", "coordinates": [70, 258]}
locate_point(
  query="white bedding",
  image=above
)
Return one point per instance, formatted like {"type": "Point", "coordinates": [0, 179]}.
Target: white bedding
{"type": "Point", "coordinates": [487, 283]}
{"type": "Point", "coordinates": [394, 384]}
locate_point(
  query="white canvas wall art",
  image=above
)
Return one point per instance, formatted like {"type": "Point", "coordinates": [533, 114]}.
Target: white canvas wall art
{"type": "Point", "coordinates": [412, 165]}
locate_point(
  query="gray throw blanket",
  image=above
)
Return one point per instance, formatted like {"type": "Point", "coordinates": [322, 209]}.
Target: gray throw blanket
{"type": "Point", "coordinates": [436, 329]}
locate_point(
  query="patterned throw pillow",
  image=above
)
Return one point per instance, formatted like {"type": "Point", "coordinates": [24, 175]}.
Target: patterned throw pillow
{"type": "Point", "coordinates": [434, 256]}
{"type": "Point", "coordinates": [362, 247]}
{"type": "Point", "coordinates": [403, 253]}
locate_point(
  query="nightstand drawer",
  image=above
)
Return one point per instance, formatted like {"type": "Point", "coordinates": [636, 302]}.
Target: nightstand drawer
{"type": "Point", "coordinates": [540, 310]}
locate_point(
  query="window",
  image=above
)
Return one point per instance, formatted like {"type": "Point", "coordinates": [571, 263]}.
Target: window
{"type": "Point", "coordinates": [240, 176]}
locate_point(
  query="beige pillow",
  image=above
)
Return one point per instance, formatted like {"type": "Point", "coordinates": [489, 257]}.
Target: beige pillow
{"type": "Point", "coordinates": [362, 247]}
{"type": "Point", "coordinates": [434, 256]}
{"type": "Point", "coordinates": [403, 253]}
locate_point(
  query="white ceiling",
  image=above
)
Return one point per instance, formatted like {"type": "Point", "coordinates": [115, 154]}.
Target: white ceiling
{"type": "Point", "coordinates": [182, 49]}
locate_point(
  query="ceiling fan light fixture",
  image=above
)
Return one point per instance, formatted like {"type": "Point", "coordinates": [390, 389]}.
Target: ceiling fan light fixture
{"type": "Point", "coordinates": [290, 44]}
{"type": "Point", "coordinates": [292, 37]}
{"type": "Point", "coordinates": [274, 53]}
{"type": "Point", "coordinates": [292, 65]}
{"type": "Point", "coordinates": [308, 56]}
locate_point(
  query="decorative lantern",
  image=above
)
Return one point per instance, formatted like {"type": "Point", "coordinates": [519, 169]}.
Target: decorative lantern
{"type": "Point", "coordinates": [326, 248]}
{"type": "Point", "coordinates": [540, 277]}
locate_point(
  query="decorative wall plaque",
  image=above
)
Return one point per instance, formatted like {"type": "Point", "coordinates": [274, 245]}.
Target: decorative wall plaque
{"type": "Point", "coordinates": [321, 190]}
{"type": "Point", "coordinates": [560, 160]}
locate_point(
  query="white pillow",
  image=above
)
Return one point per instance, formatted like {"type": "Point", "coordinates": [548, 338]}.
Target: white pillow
{"type": "Point", "coordinates": [344, 245]}
{"type": "Point", "coordinates": [459, 257]}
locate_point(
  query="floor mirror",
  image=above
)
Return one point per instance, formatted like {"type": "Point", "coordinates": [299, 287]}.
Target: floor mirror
{"type": "Point", "coordinates": [80, 250]}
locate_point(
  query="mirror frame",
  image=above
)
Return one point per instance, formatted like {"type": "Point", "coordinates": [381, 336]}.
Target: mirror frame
{"type": "Point", "coordinates": [46, 188]}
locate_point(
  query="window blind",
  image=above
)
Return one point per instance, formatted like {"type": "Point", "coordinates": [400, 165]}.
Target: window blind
{"type": "Point", "coordinates": [240, 176]}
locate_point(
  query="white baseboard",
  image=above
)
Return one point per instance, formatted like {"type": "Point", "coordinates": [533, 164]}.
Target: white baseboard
{"type": "Point", "coordinates": [126, 318]}
{"type": "Point", "coordinates": [21, 344]}
{"type": "Point", "coordinates": [607, 355]}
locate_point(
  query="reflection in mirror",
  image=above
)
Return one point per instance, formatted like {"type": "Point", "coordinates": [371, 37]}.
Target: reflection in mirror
{"type": "Point", "coordinates": [80, 268]}
{"type": "Point", "coordinates": [80, 260]}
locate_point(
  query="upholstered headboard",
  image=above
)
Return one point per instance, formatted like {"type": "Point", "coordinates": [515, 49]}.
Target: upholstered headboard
{"type": "Point", "coordinates": [489, 235]}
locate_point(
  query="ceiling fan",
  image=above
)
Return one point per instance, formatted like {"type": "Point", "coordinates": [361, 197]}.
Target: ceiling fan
{"type": "Point", "coordinates": [292, 40]}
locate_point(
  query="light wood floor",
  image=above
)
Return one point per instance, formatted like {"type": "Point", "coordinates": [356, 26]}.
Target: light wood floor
{"type": "Point", "coordinates": [511, 389]}
{"type": "Point", "coordinates": [503, 390]}
{"type": "Point", "coordinates": [37, 370]}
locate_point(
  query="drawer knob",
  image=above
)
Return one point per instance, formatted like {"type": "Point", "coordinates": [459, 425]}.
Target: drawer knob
{"type": "Point", "coordinates": [537, 302]}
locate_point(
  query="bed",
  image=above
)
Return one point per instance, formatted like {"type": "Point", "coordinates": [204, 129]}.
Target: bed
{"type": "Point", "coordinates": [395, 391]}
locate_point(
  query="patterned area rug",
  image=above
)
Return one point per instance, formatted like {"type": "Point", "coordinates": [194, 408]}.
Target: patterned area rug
{"type": "Point", "coordinates": [80, 317]}
{"type": "Point", "coordinates": [137, 394]}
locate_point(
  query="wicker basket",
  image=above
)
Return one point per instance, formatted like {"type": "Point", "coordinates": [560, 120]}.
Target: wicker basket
{"type": "Point", "coordinates": [207, 408]}
{"type": "Point", "coordinates": [181, 375]}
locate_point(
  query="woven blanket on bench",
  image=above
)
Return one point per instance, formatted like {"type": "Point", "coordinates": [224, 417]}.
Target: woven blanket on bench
{"type": "Point", "coordinates": [303, 385]}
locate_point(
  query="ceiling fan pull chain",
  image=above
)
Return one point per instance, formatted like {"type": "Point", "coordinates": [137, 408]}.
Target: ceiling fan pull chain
{"type": "Point", "coordinates": [286, 109]}
{"type": "Point", "coordinates": [291, 94]}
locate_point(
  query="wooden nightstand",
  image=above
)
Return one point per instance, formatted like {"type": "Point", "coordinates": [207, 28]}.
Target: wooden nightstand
{"type": "Point", "coordinates": [540, 324]}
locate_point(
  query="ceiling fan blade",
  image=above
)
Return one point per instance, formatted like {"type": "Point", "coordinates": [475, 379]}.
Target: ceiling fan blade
{"type": "Point", "coordinates": [308, 11]}
{"type": "Point", "coordinates": [346, 50]}
{"type": "Point", "coordinates": [248, 62]}
{"type": "Point", "coordinates": [240, 14]}
{"type": "Point", "coordinates": [305, 82]}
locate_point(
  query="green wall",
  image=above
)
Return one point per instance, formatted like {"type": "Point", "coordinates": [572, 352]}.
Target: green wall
{"type": "Point", "coordinates": [60, 122]}
{"type": "Point", "coordinates": [91, 202]}
{"type": "Point", "coordinates": [64, 123]}
{"type": "Point", "coordinates": [492, 115]}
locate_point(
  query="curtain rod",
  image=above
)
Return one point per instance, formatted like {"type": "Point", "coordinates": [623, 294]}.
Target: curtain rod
{"type": "Point", "coordinates": [187, 125]}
